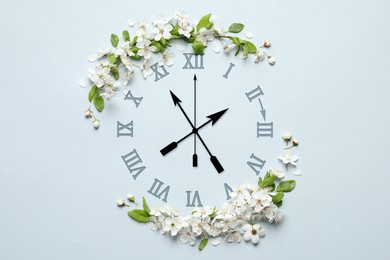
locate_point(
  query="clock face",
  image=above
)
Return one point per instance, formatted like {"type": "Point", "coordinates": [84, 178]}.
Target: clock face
{"type": "Point", "coordinates": [192, 131]}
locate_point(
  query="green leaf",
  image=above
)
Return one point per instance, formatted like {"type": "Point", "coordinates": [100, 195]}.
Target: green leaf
{"type": "Point", "coordinates": [112, 58]}
{"type": "Point", "coordinates": [139, 215]}
{"type": "Point", "coordinates": [268, 180]}
{"type": "Point", "coordinates": [286, 186]}
{"type": "Point", "coordinates": [251, 48]}
{"type": "Point", "coordinates": [204, 23]}
{"type": "Point", "coordinates": [115, 73]}
{"type": "Point", "coordinates": [203, 244]}
{"type": "Point", "coordinates": [236, 28]}
{"type": "Point", "coordinates": [98, 102]}
{"type": "Point", "coordinates": [259, 181]}
{"type": "Point", "coordinates": [235, 40]}
{"type": "Point", "coordinates": [158, 46]}
{"type": "Point", "coordinates": [279, 203]}
{"type": "Point", "coordinates": [198, 47]}
{"type": "Point", "coordinates": [93, 93]}
{"type": "Point", "coordinates": [278, 197]}
{"type": "Point", "coordinates": [238, 50]}
{"type": "Point", "coordinates": [126, 35]}
{"type": "Point", "coordinates": [271, 187]}
{"type": "Point", "coordinates": [134, 41]}
{"type": "Point", "coordinates": [114, 40]}
{"type": "Point", "coordinates": [145, 205]}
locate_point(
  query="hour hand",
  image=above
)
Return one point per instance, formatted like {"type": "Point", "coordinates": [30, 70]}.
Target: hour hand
{"type": "Point", "coordinates": [168, 148]}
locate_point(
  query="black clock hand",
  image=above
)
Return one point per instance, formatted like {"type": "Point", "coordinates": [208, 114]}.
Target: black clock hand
{"type": "Point", "coordinates": [213, 119]}
{"type": "Point", "coordinates": [177, 101]}
{"type": "Point", "coordinates": [195, 156]}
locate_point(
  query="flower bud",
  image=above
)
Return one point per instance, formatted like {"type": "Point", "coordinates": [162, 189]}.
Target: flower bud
{"type": "Point", "coordinates": [295, 142]}
{"type": "Point", "coordinates": [287, 137]}
{"type": "Point", "coordinates": [271, 60]}
{"type": "Point", "coordinates": [88, 113]}
{"type": "Point", "coordinates": [267, 44]}
{"type": "Point", "coordinates": [96, 123]}
{"type": "Point", "coordinates": [120, 203]}
{"type": "Point", "coordinates": [130, 198]}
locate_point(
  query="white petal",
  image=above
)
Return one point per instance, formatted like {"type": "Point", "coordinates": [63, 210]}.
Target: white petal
{"type": "Point", "coordinates": [217, 48]}
{"type": "Point", "coordinates": [92, 58]}
{"type": "Point", "coordinates": [83, 83]}
{"type": "Point", "coordinates": [247, 236]}
{"type": "Point", "coordinates": [180, 47]}
{"type": "Point", "coordinates": [255, 239]}
{"type": "Point", "coordinates": [248, 34]}
{"type": "Point", "coordinates": [130, 23]}
{"type": "Point", "coordinates": [297, 172]}
{"type": "Point", "coordinates": [216, 242]}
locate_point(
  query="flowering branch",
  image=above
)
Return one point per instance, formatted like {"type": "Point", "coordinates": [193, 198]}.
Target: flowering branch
{"type": "Point", "coordinates": [115, 68]}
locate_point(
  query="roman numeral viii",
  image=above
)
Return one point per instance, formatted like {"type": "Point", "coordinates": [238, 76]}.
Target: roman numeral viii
{"type": "Point", "coordinates": [133, 161]}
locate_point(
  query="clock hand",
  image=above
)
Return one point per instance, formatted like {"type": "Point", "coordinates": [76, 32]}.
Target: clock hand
{"type": "Point", "coordinates": [213, 119]}
{"type": "Point", "coordinates": [177, 101]}
{"type": "Point", "coordinates": [195, 156]}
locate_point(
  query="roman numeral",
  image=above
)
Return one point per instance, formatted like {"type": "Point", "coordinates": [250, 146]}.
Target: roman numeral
{"type": "Point", "coordinates": [157, 73]}
{"type": "Point", "coordinates": [132, 160]}
{"type": "Point", "coordinates": [265, 129]}
{"type": "Point", "coordinates": [228, 189]}
{"type": "Point", "coordinates": [195, 199]}
{"type": "Point", "coordinates": [124, 129]}
{"type": "Point", "coordinates": [228, 71]}
{"type": "Point", "coordinates": [155, 190]}
{"type": "Point", "coordinates": [197, 59]}
{"type": "Point", "coordinates": [254, 93]}
{"type": "Point", "coordinates": [256, 166]}
{"type": "Point", "coordinates": [136, 100]}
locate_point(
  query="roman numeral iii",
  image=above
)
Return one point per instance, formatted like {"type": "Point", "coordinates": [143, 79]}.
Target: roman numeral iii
{"type": "Point", "coordinates": [265, 129]}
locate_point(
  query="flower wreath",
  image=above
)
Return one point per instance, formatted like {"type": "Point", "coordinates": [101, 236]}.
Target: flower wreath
{"type": "Point", "coordinates": [248, 205]}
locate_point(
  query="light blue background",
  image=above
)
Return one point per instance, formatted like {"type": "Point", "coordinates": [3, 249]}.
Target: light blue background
{"type": "Point", "coordinates": [331, 80]}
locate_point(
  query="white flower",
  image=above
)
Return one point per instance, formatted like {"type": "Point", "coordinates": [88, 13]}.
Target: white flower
{"type": "Point", "coordinates": [170, 211]}
{"type": "Point", "coordinates": [277, 172]}
{"type": "Point", "coordinates": [124, 51]}
{"type": "Point", "coordinates": [146, 69]}
{"type": "Point", "coordinates": [165, 58]}
{"type": "Point", "coordinates": [158, 223]}
{"type": "Point", "coordinates": [228, 48]}
{"type": "Point", "coordinates": [205, 36]}
{"type": "Point", "coordinates": [96, 124]}
{"type": "Point", "coordinates": [248, 34]}
{"type": "Point", "coordinates": [221, 31]}
{"type": "Point", "coordinates": [271, 60]}
{"type": "Point", "coordinates": [259, 56]}
{"type": "Point", "coordinates": [199, 225]}
{"type": "Point", "coordinates": [145, 49]}
{"type": "Point", "coordinates": [289, 158]}
{"type": "Point", "coordinates": [217, 48]}
{"type": "Point", "coordinates": [260, 199]}
{"type": "Point", "coordinates": [108, 92]}
{"type": "Point", "coordinates": [130, 23]}
{"type": "Point", "coordinates": [181, 16]}
{"type": "Point", "coordinates": [202, 212]}
{"type": "Point", "coordinates": [287, 136]}
{"type": "Point", "coordinates": [173, 225]}
{"type": "Point", "coordinates": [161, 20]}
{"type": "Point", "coordinates": [100, 75]}
{"type": "Point", "coordinates": [184, 29]}
{"type": "Point", "coordinates": [143, 30]}
{"type": "Point", "coordinates": [99, 54]}
{"type": "Point", "coordinates": [120, 203]}
{"type": "Point", "coordinates": [253, 233]}
{"type": "Point", "coordinates": [215, 241]}
{"type": "Point", "coordinates": [186, 236]}
{"type": "Point", "coordinates": [233, 236]}
{"type": "Point", "coordinates": [162, 31]}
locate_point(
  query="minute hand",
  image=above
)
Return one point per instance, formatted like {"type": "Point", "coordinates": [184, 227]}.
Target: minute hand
{"type": "Point", "coordinates": [177, 101]}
